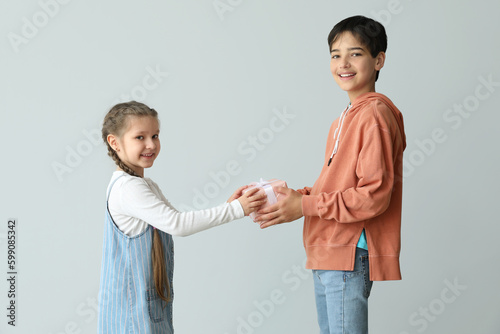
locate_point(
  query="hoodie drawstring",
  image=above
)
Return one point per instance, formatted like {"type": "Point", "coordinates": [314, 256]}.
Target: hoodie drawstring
{"type": "Point", "coordinates": [339, 129]}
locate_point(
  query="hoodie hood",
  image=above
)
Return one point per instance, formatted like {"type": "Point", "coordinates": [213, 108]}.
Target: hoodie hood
{"type": "Point", "coordinates": [359, 103]}
{"type": "Point", "coordinates": [368, 98]}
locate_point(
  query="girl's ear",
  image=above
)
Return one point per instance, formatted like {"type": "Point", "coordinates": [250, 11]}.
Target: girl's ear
{"type": "Point", "coordinates": [379, 61]}
{"type": "Point", "coordinates": [113, 142]}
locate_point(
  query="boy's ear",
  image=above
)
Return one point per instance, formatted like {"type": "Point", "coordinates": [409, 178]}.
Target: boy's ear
{"type": "Point", "coordinates": [379, 60]}
{"type": "Point", "coordinates": [113, 142]}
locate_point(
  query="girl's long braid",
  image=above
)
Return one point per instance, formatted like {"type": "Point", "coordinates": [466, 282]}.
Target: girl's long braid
{"type": "Point", "coordinates": [160, 274]}
{"type": "Point", "coordinates": [115, 123]}
{"type": "Point", "coordinates": [112, 153]}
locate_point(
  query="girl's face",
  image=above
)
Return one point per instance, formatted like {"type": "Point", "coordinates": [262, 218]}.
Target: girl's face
{"type": "Point", "coordinates": [139, 146]}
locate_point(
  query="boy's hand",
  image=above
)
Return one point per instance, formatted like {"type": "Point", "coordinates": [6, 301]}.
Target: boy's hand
{"type": "Point", "coordinates": [286, 210]}
{"type": "Point", "coordinates": [251, 200]}
{"type": "Point", "coordinates": [305, 191]}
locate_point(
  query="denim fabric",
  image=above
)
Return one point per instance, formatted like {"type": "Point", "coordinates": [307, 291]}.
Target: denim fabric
{"type": "Point", "coordinates": [128, 301]}
{"type": "Point", "coordinates": [342, 297]}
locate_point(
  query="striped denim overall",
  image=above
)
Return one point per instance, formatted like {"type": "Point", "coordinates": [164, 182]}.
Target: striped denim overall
{"type": "Point", "coordinates": [128, 301]}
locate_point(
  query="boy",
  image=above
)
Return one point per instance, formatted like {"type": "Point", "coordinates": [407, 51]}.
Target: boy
{"type": "Point", "coordinates": [353, 212]}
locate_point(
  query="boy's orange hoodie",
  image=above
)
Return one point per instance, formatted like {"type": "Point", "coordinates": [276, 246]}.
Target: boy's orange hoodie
{"type": "Point", "coordinates": [361, 188]}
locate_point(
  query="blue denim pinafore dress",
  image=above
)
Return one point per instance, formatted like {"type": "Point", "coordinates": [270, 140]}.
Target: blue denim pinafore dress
{"type": "Point", "coordinates": [128, 301]}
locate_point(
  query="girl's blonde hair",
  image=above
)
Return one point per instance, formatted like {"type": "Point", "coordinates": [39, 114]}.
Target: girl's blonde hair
{"type": "Point", "coordinates": [116, 123]}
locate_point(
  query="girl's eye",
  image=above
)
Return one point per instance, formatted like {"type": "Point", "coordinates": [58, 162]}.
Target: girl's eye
{"type": "Point", "coordinates": [139, 137]}
{"type": "Point", "coordinates": [155, 137]}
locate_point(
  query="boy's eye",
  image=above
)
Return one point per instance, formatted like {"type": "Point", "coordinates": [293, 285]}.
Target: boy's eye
{"type": "Point", "coordinates": [356, 54]}
{"type": "Point", "coordinates": [139, 137]}
{"type": "Point", "coordinates": [155, 137]}
{"type": "Point", "coordinates": [335, 56]}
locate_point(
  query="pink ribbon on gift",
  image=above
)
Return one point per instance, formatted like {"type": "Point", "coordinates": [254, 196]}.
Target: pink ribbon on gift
{"type": "Point", "coordinates": [268, 188]}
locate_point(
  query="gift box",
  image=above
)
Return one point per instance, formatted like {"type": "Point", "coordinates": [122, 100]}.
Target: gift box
{"type": "Point", "coordinates": [269, 188]}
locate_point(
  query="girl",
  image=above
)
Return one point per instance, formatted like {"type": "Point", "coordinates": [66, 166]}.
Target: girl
{"type": "Point", "coordinates": [135, 294]}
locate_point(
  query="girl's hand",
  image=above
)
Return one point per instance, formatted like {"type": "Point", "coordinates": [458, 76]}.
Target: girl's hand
{"type": "Point", "coordinates": [237, 194]}
{"type": "Point", "coordinates": [252, 200]}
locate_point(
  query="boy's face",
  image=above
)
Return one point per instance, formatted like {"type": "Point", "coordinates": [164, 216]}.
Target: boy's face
{"type": "Point", "coordinates": [353, 67]}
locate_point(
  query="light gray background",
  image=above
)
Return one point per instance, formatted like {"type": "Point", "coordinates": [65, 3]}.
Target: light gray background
{"type": "Point", "coordinates": [228, 76]}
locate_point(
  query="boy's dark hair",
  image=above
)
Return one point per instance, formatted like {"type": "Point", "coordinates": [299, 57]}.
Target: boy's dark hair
{"type": "Point", "coordinates": [368, 31]}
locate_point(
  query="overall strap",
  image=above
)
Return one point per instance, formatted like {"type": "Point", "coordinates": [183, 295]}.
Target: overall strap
{"type": "Point", "coordinates": [111, 187]}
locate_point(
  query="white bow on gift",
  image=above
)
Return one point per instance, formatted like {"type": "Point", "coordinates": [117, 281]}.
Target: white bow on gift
{"type": "Point", "coordinates": [268, 188]}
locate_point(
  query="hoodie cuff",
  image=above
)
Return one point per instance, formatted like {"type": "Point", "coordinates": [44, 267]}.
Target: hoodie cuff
{"type": "Point", "coordinates": [310, 205]}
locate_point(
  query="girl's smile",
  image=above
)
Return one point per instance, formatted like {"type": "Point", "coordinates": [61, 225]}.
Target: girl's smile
{"type": "Point", "coordinates": [147, 155]}
{"type": "Point", "coordinates": [139, 145]}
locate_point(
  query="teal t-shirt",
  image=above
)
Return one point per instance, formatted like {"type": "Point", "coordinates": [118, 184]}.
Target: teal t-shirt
{"type": "Point", "coordinates": [362, 241]}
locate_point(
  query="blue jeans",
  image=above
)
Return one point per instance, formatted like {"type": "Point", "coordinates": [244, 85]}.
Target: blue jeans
{"type": "Point", "coordinates": [342, 297]}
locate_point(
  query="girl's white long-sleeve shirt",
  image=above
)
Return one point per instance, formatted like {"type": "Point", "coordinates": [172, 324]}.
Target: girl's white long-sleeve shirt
{"type": "Point", "coordinates": [134, 203]}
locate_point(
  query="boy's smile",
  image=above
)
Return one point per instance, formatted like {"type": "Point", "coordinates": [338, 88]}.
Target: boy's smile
{"type": "Point", "coordinates": [353, 67]}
